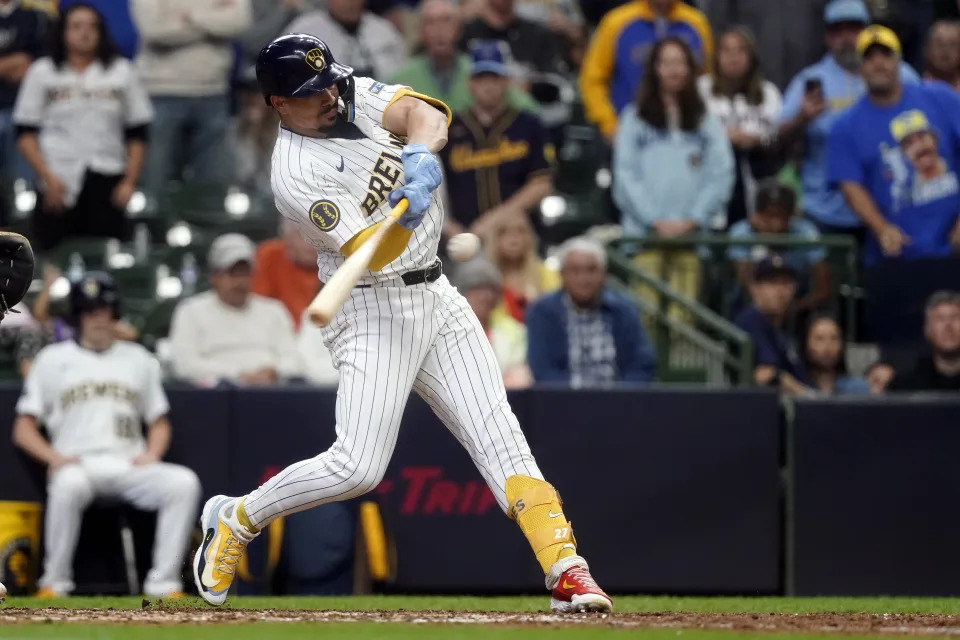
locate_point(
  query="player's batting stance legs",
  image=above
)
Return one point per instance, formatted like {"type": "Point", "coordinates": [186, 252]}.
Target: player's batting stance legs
{"type": "Point", "coordinates": [426, 338]}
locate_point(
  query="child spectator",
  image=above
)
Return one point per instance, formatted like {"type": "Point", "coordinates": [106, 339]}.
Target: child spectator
{"type": "Point", "coordinates": [775, 214]}
{"type": "Point", "coordinates": [777, 361]}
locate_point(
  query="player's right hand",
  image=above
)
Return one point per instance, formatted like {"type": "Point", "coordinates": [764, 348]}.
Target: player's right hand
{"type": "Point", "coordinates": [418, 197]}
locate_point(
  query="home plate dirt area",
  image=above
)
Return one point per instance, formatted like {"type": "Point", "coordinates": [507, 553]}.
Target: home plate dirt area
{"type": "Point", "coordinates": [159, 614]}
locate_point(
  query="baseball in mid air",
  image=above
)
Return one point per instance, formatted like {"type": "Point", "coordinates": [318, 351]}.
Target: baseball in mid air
{"type": "Point", "coordinates": [3, 593]}
{"type": "Point", "coordinates": [463, 246]}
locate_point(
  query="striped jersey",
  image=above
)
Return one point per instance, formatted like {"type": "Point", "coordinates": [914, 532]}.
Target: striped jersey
{"type": "Point", "coordinates": [337, 186]}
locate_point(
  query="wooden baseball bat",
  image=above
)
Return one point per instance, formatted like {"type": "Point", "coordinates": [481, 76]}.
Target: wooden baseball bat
{"type": "Point", "coordinates": [335, 292]}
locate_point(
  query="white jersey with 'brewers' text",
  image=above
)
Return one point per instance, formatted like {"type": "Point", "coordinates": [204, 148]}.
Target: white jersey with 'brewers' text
{"type": "Point", "coordinates": [93, 403]}
{"type": "Point", "coordinates": [334, 187]}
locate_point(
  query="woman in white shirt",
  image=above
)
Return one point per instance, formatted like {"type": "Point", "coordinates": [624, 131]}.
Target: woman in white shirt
{"type": "Point", "coordinates": [82, 118]}
{"type": "Point", "coordinates": [748, 106]}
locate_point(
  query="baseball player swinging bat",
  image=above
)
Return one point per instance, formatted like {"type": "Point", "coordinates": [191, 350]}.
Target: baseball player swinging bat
{"type": "Point", "coordinates": [335, 292]}
{"type": "Point", "coordinates": [354, 166]}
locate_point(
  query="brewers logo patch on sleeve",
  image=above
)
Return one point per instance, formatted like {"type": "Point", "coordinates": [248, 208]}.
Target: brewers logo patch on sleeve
{"type": "Point", "coordinates": [324, 215]}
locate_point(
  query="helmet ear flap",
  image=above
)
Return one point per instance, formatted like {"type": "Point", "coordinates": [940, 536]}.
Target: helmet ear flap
{"type": "Point", "coordinates": [347, 89]}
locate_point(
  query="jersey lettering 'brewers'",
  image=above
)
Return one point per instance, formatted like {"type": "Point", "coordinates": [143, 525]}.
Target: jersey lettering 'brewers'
{"type": "Point", "coordinates": [348, 150]}
{"type": "Point", "coordinates": [93, 394]}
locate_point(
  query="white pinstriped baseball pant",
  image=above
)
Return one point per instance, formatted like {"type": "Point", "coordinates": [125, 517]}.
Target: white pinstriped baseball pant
{"type": "Point", "coordinates": [386, 341]}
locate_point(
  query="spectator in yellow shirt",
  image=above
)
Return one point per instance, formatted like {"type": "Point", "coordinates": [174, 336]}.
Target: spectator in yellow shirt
{"type": "Point", "coordinates": [621, 45]}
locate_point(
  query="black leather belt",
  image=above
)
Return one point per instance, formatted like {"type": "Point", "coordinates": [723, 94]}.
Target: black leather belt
{"type": "Point", "coordinates": [430, 274]}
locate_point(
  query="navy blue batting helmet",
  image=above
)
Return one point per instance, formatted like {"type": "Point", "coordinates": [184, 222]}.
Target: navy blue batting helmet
{"type": "Point", "coordinates": [95, 290]}
{"type": "Point", "coordinates": [299, 65]}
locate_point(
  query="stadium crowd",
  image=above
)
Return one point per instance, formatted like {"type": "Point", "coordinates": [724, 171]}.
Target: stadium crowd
{"type": "Point", "coordinates": [737, 121]}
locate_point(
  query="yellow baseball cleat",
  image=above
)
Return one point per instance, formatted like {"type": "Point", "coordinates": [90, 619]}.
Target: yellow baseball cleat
{"type": "Point", "coordinates": [224, 541]}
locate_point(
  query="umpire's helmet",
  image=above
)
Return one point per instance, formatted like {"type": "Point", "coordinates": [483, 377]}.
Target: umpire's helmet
{"type": "Point", "coordinates": [299, 65]}
{"type": "Point", "coordinates": [94, 290]}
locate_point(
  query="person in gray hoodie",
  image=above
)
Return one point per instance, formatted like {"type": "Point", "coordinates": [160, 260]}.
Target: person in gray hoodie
{"type": "Point", "coordinates": [185, 58]}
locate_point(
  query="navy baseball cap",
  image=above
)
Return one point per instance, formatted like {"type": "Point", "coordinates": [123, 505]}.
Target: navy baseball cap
{"type": "Point", "coordinates": [487, 56]}
{"type": "Point", "coordinates": [771, 267]}
{"type": "Point", "coordinates": [838, 11]}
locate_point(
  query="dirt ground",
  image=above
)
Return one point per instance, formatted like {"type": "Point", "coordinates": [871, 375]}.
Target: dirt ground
{"type": "Point", "coordinates": [940, 625]}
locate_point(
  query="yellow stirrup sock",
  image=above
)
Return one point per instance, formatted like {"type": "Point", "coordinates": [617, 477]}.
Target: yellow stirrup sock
{"type": "Point", "coordinates": [243, 518]}
{"type": "Point", "coordinates": [536, 507]}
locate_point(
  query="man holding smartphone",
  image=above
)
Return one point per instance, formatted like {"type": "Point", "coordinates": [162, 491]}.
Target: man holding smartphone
{"type": "Point", "coordinates": [814, 99]}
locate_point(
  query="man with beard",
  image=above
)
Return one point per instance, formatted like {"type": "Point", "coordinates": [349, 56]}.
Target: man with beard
{"type": "Point", "coordinates": [813, 101]}
{"type": "Point", "coordinates": [939, 371]}
{"type": "Point", "coordinates": [894, 155]}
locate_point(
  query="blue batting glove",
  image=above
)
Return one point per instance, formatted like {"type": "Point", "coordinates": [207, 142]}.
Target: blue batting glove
{"type": "Point", "coordinates": [419, 165]}
{"type": "Point", "coordinates": [418, 201]}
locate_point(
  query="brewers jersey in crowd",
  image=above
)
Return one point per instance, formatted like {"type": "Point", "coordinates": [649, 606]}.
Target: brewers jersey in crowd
{"type": "Point", "coordinates": [333, 191]}
{"type": "Point", "coordinates": [486, 165]}
{"type": "Point", "coordinates": [83, 119]}
{"type": "Point", "coordinates": [93, 403]}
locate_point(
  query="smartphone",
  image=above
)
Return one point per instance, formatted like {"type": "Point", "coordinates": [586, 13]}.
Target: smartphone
{"type": "Point", "coordinates": [813, 84]}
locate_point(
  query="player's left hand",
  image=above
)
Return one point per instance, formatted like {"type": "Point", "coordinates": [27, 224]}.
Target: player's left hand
{"type": "Point", "coordinates": [418, 198]}
{"type": "Point", "coordinates": [419, 165]}
{"type": "Point", "coordinates": [145, 458]}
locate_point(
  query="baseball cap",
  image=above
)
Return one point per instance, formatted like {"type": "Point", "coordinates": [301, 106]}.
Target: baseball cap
{"type": "Point", "coordinates": [487, 57]}
{"type": "Point", "coordinates": [771, 267]}
{"type": "Point", "coordinates": [838, 11]}
{"type": "Point", "coordinates": [229, 249]}
{"type": "Point", "coordinates": [909, 123]}
{"type": "Point", "coordinates": [877, 34]}
{"type": "Point", "coordinates": [476, 273]}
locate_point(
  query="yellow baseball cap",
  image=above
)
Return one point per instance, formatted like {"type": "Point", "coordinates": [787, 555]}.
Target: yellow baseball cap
{"type": "Point", "coordinates": [878, 34]}
{"type": "Point", "coordinates": [909, 123]}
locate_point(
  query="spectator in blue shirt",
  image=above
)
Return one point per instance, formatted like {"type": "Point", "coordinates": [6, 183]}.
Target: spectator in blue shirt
{"type": "Point", "coordinates": [777, 361]}
{"type": "Point", "coordinates": [813, 101]}
{"type": "Point", "coordinates": [825, 359]}
{"type": "Point", "coordinates": [585, 334]}
{"type": "Point", "coordinates": [896, 153]}
{"type": "Point", "coordinates": [775, 214]}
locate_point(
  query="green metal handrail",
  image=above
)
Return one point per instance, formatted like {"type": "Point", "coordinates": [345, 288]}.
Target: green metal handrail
{"type": "Point", "coordinates": [840, 243]}
{"type": "Point", "coordinates": [729, 333]}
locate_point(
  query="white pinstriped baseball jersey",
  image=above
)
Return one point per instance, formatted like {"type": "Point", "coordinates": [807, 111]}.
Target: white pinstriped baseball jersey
{"type": "Point", "coordinates": [334, 187]}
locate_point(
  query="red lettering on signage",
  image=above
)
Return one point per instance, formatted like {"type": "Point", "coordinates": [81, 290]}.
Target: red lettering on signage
{"type": "Point", "coordinates": [418, 478]}
{"type": "Point", "coordinates": [442, 496]}
{"type": "Point", "coordinates": [428, 493]}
